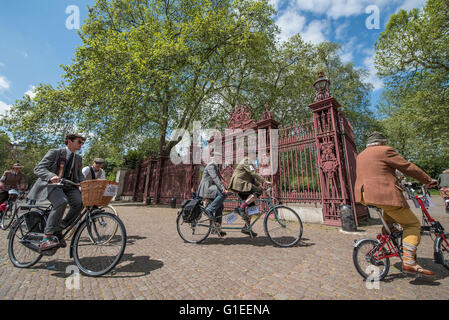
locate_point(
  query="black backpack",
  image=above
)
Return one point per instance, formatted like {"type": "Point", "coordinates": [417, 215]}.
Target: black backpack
{"type": "Point", "coordinates": [191, 210]}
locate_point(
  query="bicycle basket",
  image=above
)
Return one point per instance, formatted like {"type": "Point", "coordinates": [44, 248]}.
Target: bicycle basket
{"type": "Point", "coordinates": [98, 192]}
{"type": "Point", "coordinates": [191, 210]}
{"type": "Point", "coordinates": [34, 222]}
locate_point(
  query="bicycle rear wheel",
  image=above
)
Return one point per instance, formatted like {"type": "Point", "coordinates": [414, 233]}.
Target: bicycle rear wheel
{"type": "Point", "coordinates": [8, 216]}
{"type": "Point", "coordinates": [443, 249]}
{"type": "Point", "coordinates": [20, 255]}
{"type": "Point", "coordinates": [283, 226]}
{"type": "Point", "coordinates": [368, 260]}
{"type": "Point", "coordinates": [195, 231]}
{"type": "Point", "coordinates": [94, 250]}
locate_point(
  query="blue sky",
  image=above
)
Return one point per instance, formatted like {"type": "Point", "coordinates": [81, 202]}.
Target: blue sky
{"type": "Point", "coordinates": [35, 41]}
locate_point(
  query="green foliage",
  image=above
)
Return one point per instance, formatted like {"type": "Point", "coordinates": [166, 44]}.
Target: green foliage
{"type": "Point", "coordinates": [412, 57]}
{"type": "Point", "coordinates": [5, 145]}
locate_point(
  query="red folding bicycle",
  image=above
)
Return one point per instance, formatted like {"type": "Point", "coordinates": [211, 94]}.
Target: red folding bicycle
{"type": "Point", "coordinates": [372, 256]}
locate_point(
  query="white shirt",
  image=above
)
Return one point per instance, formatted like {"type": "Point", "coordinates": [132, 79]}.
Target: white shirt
{"type": "Point", "coordinates": [102, 175]}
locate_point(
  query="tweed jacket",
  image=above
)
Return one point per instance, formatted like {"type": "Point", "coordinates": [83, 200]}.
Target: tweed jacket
{"type": "Point", "coordinates": [211, 182]}
{"type": "Point", "coordinates": [48, 168]}
{"type": "Point", "coordinates": [244, 176]}
{"type": "Point", "coordinates": [376, 176]}
{"type": "Point", "coordinates": [12, 180]}
{"type": "Point", "coordinates": [443, 179]}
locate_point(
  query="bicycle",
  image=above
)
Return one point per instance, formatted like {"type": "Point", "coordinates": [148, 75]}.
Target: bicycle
{"type": "Point", "coordinates": [10, 214]}
{"type": "Point", "coordinates": [277, 218]}
{"type": "Point", "coordinates": [93, 228]}
{"type": "Point", "coordinates": [106, 209]}
{"type": "Point", "coordinates": [377, 252]}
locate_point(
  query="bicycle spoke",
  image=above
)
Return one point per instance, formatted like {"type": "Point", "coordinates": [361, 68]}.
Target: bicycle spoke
{"type": "Point", "coordinates": [100, 250]}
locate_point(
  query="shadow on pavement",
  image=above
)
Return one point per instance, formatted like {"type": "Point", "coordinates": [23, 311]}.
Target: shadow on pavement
{"type": "Point", "coordinates": [259, 241]}
{"type": "Point", "coordinates": [427, 263]}
{"type": "Point", "coordinates": [138, 266]}
{"type": "Point", "coordinates": [130, 240]}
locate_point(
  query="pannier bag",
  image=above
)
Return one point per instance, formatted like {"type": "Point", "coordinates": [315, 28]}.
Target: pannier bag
{"type": "Point", "coordinates": [34, 222]}
{"type": "Point", "coordinates": [191, 210]}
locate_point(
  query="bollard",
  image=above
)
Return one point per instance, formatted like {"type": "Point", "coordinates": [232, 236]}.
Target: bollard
{"type": "Point", "coordinates": [347, 218]}
{"type": "Point", "coordinates": [148, 201]}
{"type": "Point", "coordinates": [173, 202]}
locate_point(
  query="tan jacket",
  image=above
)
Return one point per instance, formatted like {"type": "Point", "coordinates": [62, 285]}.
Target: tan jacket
{"type": "Point", "coordinates": [376, 176]}
{"type": "Point", "coordinates": [244, 176]}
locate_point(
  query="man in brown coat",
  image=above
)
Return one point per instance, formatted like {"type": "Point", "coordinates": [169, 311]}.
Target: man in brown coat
{"type": "Point", "coordinates": [376, 185]}
{"type": "Point", "coordinates": [11, 179]}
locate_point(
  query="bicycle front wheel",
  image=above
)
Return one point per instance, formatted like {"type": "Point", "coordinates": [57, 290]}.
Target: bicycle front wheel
{"type": "Point", "coordinates": [443, 249]}
{"type": "Point", "coordinates": [94, 250]}
{"type": "Point", "coordinates": [194, 231]}
{"type": "Point", "coordinates": [8, 216]}
{"type": "Point", "coordinates": [283, 226]}
{"type": "Point", "coordinates": [368, 259]}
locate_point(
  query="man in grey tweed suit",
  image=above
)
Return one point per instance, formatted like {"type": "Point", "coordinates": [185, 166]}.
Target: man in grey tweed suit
{"type": "Point", "coordinates": [57, 164]}
{"type": "Point", "coordinates": [212, 187]}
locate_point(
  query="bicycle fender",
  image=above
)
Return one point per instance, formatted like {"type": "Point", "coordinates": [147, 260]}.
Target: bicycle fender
{"type": "Point", "coordinates": [437, 254]}
{"type": "Point", "coordinates": [357, 242]}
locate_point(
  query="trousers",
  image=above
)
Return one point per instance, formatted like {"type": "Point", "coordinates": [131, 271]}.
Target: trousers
{"type": "Point", "coordinates": [59, 198]}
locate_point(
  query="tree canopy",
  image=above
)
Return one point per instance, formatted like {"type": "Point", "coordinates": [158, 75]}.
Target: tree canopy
{"type": "Point", "coordinates": [412, 57]}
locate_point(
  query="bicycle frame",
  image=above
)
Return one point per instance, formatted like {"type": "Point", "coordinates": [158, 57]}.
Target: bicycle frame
{"type": "Point", "coordinates": [269, 207]}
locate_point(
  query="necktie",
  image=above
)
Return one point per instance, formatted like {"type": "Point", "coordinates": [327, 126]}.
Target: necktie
{"type": "Point", "coordinates": [67, 170]}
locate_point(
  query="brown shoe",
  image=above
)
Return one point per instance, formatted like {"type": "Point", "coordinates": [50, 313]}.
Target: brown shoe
{"type": "Point", "coordinates": [416, 269]}
{"type": "Point", "coordinates": [48, 244]}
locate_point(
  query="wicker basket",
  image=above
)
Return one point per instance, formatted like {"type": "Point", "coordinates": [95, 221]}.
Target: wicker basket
{"type": "Point", "coordinates": [93, 192]}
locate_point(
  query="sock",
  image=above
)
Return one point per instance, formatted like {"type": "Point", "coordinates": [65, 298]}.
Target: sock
{"type": "Point", "coordinates": [244, 205]}
{"type": "Point", "coordinates": [409, 254]}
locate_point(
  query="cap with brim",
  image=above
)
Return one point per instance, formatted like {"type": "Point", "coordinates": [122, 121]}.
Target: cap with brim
{"type": "Point", "coordinates": [98, 160]}
{"type": "Point", "coordinates": [17, 165]}
{"type": "Point", "coordinates": [376, 137]}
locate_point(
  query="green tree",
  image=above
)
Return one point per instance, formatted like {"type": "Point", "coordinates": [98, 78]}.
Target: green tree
{"type": "Point", "coordinates": [412, 57]}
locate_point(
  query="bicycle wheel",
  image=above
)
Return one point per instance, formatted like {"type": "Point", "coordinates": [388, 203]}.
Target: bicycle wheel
{"type": "Point", "coordinates": [20, 255]}
{"type": "Point", "coordinates": [8, 216]}
{"type": "Point", "coordinates": [443, 248]}
{"type": "Point", "coordinates": [195, 231]}
{"type": "Point", "coordinates": [368, 260]}
{"type": "Point", "coordinates": [110, 209]}
{"type": "Point", "coordinates": [283, 226]}
{"type": "Point", "coordinates": [93, 255]}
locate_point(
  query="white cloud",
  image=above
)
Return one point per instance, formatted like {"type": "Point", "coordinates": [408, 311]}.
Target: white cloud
{"type": "Point", "coordinates": [339, 8]}
{"type": "Point", "coordinates": [2, 64]}
{"type": "Point", "coordinates": [372, 77]}
{"type": "Point", "coordinates": [290, 23]}
{"type": "Point", "coordinates": [274, 3]}
{"type": "Point", "coordinates": [314, 32]}
{"type": "Point", "coordinates": [4, 108]}
{"type": "Point", "coordinates": [4, 83]}
{"type": "Point", "coordinates": [31, 92]}
{"type": "Point", "coordinates": [410, 4]}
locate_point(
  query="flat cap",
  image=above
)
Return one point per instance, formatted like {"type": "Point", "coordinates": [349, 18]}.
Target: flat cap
{"type": "Point", "coordinates": [99, 160]}
{"type": "Point", "coordinates": [376, 137]}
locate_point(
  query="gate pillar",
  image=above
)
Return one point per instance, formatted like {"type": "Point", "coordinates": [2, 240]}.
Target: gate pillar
{"type": "Point", "coordinates": [330, 157]}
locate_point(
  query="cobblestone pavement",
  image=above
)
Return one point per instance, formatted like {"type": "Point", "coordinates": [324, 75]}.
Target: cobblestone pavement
{"type": "Point", "coordinates": [158, 265]}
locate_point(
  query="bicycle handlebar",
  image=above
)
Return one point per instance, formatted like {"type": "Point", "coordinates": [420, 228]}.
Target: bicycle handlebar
{"type": "Point", "coordinates": [63, 182]}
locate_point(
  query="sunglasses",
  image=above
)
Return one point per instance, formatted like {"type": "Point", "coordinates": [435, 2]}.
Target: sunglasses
{"type": "Point", "coordinates": [80, 141]}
